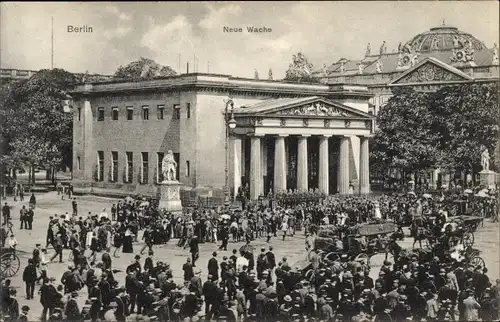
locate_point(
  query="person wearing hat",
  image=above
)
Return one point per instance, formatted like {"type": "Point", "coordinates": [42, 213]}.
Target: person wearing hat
{"type": "Point", "coordinates": [194, 249]}
{"type": "Point", "coordinates": [29, 278]}
{"type": "Point", "coordinates": [213, 266]}
{"type": "Point", "coordinates": [24, 314]}
{"type": "Point", "coordinates": [135, 266]}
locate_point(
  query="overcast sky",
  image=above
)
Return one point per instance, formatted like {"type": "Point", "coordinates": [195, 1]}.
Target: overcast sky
{"type": "Point", "coordinates": [323, 31]}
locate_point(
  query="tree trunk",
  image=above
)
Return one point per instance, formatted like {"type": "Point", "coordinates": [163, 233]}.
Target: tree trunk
{"type": "Point", "coordinates": [53, 172]}
{"type": "Point", "coordinates": [47, 173]}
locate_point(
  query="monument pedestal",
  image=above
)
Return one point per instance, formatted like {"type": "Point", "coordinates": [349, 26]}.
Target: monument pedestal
{"type": "Point", "coordinates": [487, 178]}
{"type": "Point", "coordinates": [170, 196]}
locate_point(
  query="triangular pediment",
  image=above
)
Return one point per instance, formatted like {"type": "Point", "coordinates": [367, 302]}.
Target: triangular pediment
{"type": "Point", "coordinates": [430, 70]}
{"type": "Point", "coordinates": [309, 106]}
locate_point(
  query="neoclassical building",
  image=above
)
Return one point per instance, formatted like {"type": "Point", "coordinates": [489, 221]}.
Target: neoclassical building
{"type": "Point", "coordinates": [286, 135]}
{"type": "Point", "coordinates": [441, 56]}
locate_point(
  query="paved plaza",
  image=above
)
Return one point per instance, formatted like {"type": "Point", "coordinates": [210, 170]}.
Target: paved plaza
{"type": "Point", "coordinates": [293, 248]}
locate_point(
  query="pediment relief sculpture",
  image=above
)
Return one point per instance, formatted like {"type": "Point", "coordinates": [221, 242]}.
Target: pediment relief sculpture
{"type": "Point", "coordinates": [319, 109]}
{"type": "Point", "coordinates": [430, 73]}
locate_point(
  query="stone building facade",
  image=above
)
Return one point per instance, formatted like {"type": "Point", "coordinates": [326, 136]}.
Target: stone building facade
{"type": "Point", "coordinates": [121, 130]}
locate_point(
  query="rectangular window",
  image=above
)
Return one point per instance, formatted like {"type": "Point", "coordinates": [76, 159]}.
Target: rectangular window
{"type": "Point", "coordinates": [176, 158]}
{"type": "Point", "coordinates": [79, 114]}
{"type": "Point", "coordinates": [159, 159]}
{"type": "Point", "coordinates": [130, 113]}
{"type": "Point", "coordinates": [100, 114]}
{"type": "Point", "coordinates": [161, 112]}
{"type": "Point", "coordinates": [78, 166]}
{"type": "Point", "coordinates": [188, 170]}
{"type": "Point", "coordinates": [129, 171]}
{"type": "Point", "coordinates": [188, 110]}
{"type": "Point", "coordinates": [145, 167]}
{"type": "Point", "coordinates": [100, 165]}
{"type": "Point", "coordinates": [145, 112]}
{"type": "Point", "coordinates": [114, 113]}
{"type": "Point", "coordinates": [177, 111]}
{"type": "Point", "coordinates": [114, 166]}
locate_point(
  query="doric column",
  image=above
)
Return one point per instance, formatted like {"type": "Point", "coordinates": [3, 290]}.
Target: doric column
{"type": "Point", "coordinates": [364, 166]}
{"type": "Point", "coordinates": [324, 181]}
{"type": "Point", "coordinates": [255, 168]}
{"type": "Point", "coordinates": [237, 169]}
{"type": "Point", "coordinates": [302, 173]}
{"type": "Point", "coordinates": [343, 171]}
{"type": "Point", "coordinates": [279, 164]}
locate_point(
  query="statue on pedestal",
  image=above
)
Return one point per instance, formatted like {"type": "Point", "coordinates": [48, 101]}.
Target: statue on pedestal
{"type": "Point", "coordinates": [485, 160]}
{"type": "Point", "coordinates": [169, 167]}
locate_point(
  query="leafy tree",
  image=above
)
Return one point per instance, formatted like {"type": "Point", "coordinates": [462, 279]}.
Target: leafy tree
{"type": "Point", "coordinates": [143, 68]}
{"type": "Point", "coordinates": [35, 129]}
{"type": "Point", "coordinates": [405, 139]}
{"type": "Point", "coordinates": [448, 129]}
{"type": "Point", "coordinates": [467, 119]}
{"type": "Point", "coordinates": [300, 70]}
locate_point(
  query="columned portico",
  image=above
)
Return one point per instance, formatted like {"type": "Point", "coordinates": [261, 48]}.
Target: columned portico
{"type": "Point", "coordinates": [343, 171]}
{"type": "Point", "coordinates": [300, 132]}
{"type": "Point", "coordinates": [323, 179]}
{"type": "Point", "coordinates": [280, 163]}
{"type": "Point", "coordinates": [364, 166]}
{"type": "Point", "coordinates": [302, 168]}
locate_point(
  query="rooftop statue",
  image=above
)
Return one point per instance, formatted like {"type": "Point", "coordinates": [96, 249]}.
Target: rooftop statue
{"type": "Point", "coordinates": [270, 74]}
{"type": "Point", "coordinates": [368, 50]}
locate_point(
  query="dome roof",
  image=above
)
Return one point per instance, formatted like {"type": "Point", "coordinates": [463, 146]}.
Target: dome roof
{"type": "Point", "coordinates": [443, 38]}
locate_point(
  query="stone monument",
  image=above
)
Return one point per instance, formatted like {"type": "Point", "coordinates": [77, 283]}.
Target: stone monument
{"type": "Point", "coordinates": [486, 176]}
{"type": "Point", "coordinates": [169, 188]}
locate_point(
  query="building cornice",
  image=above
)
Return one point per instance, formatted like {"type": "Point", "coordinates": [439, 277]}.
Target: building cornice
{"type": "Point", "coordinates": [220, 83]}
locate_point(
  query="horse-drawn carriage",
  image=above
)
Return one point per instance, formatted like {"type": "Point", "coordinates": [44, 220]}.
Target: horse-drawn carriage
{"type": "Point", "coordinates": [9, 263]}
{"type": "Point", "coordinates": [356, 243]}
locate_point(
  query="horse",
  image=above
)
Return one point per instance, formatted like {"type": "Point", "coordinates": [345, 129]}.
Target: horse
{"type": "Point", "coordinates": [419, 232]}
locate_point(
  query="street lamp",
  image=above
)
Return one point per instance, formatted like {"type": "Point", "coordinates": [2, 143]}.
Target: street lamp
{"type": "Point", "coordinates": [230, 124]}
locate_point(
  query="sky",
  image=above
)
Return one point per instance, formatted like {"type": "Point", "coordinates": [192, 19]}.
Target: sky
{"type": "Point", "coordinates": [125, 31]}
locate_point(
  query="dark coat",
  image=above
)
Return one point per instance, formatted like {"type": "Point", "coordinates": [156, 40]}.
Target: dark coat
{"type": "Point", "coordinates": [29, 274]}
{"type": "Point", "coordinates": [213, 268]}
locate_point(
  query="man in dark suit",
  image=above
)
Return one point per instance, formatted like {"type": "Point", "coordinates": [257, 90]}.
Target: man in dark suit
{"type": "Point", "coordinates": [209, 292]}
{"type": "Point", "coordinates": [29, 277]}
{"type": "Point", "coordinates": [271, 259]}
{"type": "Point", "coordinates": [29, 219]}
{"type": "Point", "coordinates": [213, 267]}
{"type": "Point", "coordinates": [194, 249]}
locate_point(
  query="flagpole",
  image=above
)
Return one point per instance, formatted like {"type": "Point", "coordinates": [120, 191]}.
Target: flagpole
{"type": "Point", "coordinates": [52, 44]}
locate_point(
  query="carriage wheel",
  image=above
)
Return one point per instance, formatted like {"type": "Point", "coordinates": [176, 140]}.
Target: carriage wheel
{"type": "Point", "coordinates": [477, 261]}
{"type": "Point", "coordinates": [453, 241]}
{"type": "Point", "coordinates": [364, 258]}
{"type": "Point", "coordinates": [468, 239]}
{"type": "Point", "coordinates": [332, 256]}
{"type": "Point", "coordinates": [9, 265]}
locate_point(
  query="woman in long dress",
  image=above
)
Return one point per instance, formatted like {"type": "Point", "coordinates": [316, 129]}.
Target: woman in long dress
{"type": "Point", "coordinates": [127, 242]}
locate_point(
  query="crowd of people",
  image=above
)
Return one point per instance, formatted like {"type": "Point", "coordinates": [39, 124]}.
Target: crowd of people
{"type": "Point", "coordinates": [250, 284]}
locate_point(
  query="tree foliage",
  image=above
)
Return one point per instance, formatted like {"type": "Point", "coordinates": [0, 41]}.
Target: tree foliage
{"type": "Point", "coordinates": [143, 68]}
{"type": "Point", "coordinates": [448, 129]}
{"type": "Point", "coordinates": [35, 129]}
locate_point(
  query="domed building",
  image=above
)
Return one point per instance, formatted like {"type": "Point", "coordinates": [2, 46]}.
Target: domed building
{"type": "Point", "coordinates": [441, 56]}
